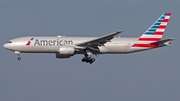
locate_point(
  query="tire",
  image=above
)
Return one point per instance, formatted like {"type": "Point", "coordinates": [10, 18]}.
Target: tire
{"type": "Point", "coordinates": [19, 58]}
{"type": "Point", "coordinates": [83, 60]}
{"type": "Point", "coordinates": [93, 59]}
{"type": "Point", "coordinates": [91, 62]}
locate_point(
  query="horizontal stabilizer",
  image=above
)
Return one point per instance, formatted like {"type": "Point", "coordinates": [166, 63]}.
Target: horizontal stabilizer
{"type": "Point", "coordinates": [164, 42]}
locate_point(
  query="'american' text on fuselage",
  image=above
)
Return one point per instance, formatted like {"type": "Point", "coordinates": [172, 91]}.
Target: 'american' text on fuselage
{"type": "Point", "coordinates": [53, 42]}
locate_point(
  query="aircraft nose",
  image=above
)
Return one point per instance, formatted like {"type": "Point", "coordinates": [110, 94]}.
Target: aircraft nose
{"type": "Point", "coordinates": [5, 45]}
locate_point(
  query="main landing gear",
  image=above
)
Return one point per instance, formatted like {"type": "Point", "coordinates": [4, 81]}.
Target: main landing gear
{"type": "Point", "coordinates": [18, 54]}
{"type": "Point", "coordinates": [87, 57]}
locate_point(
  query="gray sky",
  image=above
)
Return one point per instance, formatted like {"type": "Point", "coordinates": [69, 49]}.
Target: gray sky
{"type": "Point", "coordinates": [145, 76]}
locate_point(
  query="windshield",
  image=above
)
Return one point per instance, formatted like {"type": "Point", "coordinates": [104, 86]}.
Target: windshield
{"type": "Point", "coordinates": [9, 42]}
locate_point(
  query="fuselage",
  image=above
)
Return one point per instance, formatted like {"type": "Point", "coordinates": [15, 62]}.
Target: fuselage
{"type": "Point", "coordinates": [38, 44]}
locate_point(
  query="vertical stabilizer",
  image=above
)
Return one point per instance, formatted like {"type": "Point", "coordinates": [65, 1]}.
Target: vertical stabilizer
{"type": "Point", "coordinates": [156, 31]}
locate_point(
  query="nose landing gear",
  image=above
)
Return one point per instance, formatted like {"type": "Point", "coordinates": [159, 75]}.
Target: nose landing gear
{"type": "Point", "coordinates": [18, 54]}
{"type": "Point", "coordinates": [19, 58]}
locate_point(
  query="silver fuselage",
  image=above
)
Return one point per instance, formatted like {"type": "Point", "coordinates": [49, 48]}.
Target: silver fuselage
{"type": "Point", "coordinates": [52, 44]}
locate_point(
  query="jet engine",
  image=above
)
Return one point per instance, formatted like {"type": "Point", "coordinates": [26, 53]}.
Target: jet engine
{"type": "Point", "coordinates": [65, 52]}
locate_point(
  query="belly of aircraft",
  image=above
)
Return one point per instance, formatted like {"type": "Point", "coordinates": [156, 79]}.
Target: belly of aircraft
{"type": "Point", "coordinates": [115, 48]}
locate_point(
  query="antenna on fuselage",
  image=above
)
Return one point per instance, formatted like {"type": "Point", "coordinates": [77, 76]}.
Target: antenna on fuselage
{"type": "Point", "coordinates": [61, 36]}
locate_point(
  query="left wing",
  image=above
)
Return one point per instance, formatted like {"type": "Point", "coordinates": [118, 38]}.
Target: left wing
{"type": "Point", "coordinates": [99, 41]}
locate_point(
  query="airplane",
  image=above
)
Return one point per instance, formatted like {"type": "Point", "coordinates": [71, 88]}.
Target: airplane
{"type": "Point", "coordinates": [65, 47]}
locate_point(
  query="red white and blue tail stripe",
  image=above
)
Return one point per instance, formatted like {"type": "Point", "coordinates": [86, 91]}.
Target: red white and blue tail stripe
{"type": "Point", "coordinates": [154, 33]}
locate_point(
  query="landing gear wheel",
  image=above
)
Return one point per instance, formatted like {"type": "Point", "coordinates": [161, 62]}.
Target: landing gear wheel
{"type": "Point", "coordinates": [83, 60]}
{"type": "Point", "coordinates": [19, 58]}
{"type": "Point", "coordinates": [90, 62]}
{"type": "Point", "coordinates": [93, 59]}
{"type": "Point", "coordinates": [87, 56]}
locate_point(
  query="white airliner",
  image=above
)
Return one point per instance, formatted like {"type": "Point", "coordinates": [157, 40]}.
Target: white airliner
{"type": "Point", "coordinates": [65, 47]}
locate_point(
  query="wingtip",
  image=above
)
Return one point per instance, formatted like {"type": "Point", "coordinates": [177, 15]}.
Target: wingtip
{"type": "Point", "coordinates": [120, 31]}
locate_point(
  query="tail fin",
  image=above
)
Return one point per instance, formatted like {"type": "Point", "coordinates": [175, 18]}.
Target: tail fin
{"type": "Point", "coordinates": [156, 31]}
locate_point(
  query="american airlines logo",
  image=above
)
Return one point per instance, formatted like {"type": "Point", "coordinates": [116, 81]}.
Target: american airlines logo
{"type": "Point", "coordinates": [29, 42]}
{"type": "Point", "coordinates": [53, 42]}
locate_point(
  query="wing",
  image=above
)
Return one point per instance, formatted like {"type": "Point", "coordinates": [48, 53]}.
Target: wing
{"type": "Point", "coordinates": [99, 41]}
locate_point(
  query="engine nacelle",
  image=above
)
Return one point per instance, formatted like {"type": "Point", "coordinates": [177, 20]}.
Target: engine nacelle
{"type": "Point", "coordinates": [62, 56]}
{"type": "Point", "coordinates": [66, 50]}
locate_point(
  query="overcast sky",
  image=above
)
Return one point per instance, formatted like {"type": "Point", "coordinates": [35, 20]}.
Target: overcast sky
{"type": "Point", "coordinates": [145, 76]}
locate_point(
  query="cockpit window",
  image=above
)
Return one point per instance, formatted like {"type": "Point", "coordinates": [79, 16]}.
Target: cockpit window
{"type": "Point", "coordinates": [9, 42]}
